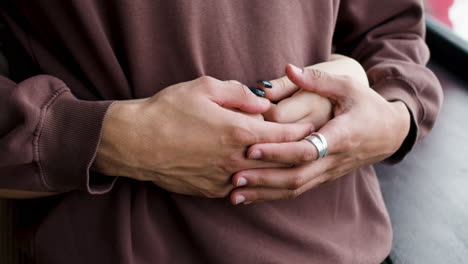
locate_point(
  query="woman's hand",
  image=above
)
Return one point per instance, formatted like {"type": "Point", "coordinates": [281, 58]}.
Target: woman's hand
{"type": "Point", "coordinates": [365, 129]}
{"type": "Point", "coordinates": [296, 105]}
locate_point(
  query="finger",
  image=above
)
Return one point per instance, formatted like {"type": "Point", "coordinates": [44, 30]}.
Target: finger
{"type": "Point", "coordinates": [233, 94]}
{"type": "Point", "coordinates": [270, 115]}
{"type": "Point", "coordinates": [339, 137]}
{"type": "Point", "coordinates": [303, 151]}
{"type": "Point", "coordinates": [291, 178]}
{"type": "Point", "coordinates": [286, 178]}
{"type": "Point", "coordinates": [260, 164]}
{"type": "Point", "coordinates": [274, 184]}
{"type": "Point", "coordinates": [319, 113]}
{"type": "Point", "coordinates": [249, 195]}
{"type": "Point", "coordinates": [298, 152]}
{"type": "Point", "coordinates": [238, 162]}
{"type": "Point", "coordinates": [270, 132]}
{"type": "Point", "coordinates": [281, 88]}
{"type": "Point", "coordinates": [319, 82]}
{"type": "Point", "coordinates": [294, 108]}
{"type": "Point", "coordinates": [318, 120]}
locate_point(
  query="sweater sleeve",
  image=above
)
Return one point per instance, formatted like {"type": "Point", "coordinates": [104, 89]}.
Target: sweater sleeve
{"type": "Point", "coordinates": [387, 38]}
{"type": "Point", "coordinates": [48, 137]}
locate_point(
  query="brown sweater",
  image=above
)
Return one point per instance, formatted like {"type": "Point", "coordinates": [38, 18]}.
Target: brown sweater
{"type": "Point", "coordinates": [96, 51]}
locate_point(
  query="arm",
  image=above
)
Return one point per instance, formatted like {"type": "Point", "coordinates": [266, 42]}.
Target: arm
{"type": "Point", "coordinates": [390, 45]}
{"type": "Point", "coordinates": [36, 158]}
{"type": "Point", "coordinates": [400, 108]}
{"type": "Point", "coordinates": [50, 139]}
{"type": "Point", "coordinates": [43, 129]}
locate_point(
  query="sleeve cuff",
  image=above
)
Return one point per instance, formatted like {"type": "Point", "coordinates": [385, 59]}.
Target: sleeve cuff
{"type": "Point", "coordinates": [398, 90]}
{"type": "Point", "coordinates": [67, 142]}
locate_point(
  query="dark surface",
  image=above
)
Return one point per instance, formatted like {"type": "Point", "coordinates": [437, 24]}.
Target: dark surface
{"type": "Point", "coordinates": [427, 194]}
{"type": "Point", "coordinates": [447, 48]}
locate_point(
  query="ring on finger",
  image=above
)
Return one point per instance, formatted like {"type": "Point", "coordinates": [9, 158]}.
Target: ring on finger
{"type": "Point", "coordinates": [319, 142]}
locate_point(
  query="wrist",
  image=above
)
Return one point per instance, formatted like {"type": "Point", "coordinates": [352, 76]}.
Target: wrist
{"type": "Point", "coordinates": [116, 138]}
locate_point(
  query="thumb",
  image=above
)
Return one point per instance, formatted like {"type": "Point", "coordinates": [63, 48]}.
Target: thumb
{"type": "Point", "coordinates": [319, 82]}
{"type": "Point", "coordinates": [234, 95]}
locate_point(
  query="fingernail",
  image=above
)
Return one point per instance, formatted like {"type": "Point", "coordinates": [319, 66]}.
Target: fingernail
{"type": "Point", "coordinates": [296, 69]}
{"type": "Point", "coordinates": [256, 154]}
{"type": "Point", "coordinates": [240, 199]}
{"type": "Point", "coordinates": [241, 182]}
{"type": "Point", "coordinates": [257, 92]}
{"type": "Point", "coordinates": [265, 84]}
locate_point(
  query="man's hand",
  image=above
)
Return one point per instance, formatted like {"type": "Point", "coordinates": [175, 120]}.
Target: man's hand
{"type": "Point", "coordinates": [365, 129]}
{"type": "Point", "coordinates": [191, 137]}
{"type": "Point", "coordinates": [296, 105]}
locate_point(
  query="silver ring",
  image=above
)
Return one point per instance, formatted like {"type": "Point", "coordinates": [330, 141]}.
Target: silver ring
{"type": "Point", "coordinates": [324, 141]}
{"type": "Point", "coordinates": [319, 142]}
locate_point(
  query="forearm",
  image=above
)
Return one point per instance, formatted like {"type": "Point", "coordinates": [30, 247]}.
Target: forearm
{"type": "Point", "coordinates": [114, 153]}
{"type": "Point", "coordinates": [47, 136]}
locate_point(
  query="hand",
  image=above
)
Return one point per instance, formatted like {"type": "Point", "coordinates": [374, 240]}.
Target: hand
{"type": "Point", "coordinates": [299, 107]}
{"type": "Point", "coordinates": [365, 129]}
{"type": "Point", "coordinates": [189, 138]}
{"type": "Point", "coordinates": [296, 105]}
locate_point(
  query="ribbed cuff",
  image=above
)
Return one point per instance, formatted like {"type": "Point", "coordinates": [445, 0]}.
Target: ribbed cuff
{"type": "Point", "coordinates": [69, 135]}
{"type": "Point", "coordinates": [397, 90]}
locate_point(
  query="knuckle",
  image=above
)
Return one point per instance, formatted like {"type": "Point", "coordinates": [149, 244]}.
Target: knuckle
{"type": "Point", "coordinates": [282, 83]}
{"type": "Point", "coordinates": [307, 154]}
{"type": "Point", "coordinates": [233, 163]}
{"type": "Point", "coordinates": [297, 182]}
{"type": "Point", "coordinates": [206, 79]}
{"type": "Point", "coordinates": [293, 193]}
{"type": "Point", "coordinates": [297, 192]}
{"type": "Point", "coordinates": [208, 84]}
{"type": "Point", "coordinates": [273, 155]}
{"type": "Point", "coordinates": [258, 181]}
{"type": "Point", "coordinates": [240, 135]}
{"type": "Point", "coordinates": [314, 74]}
{"type": "Point", "coordinates": [287, 136]}
{"type": "Point", "coordinates": [234, 82]}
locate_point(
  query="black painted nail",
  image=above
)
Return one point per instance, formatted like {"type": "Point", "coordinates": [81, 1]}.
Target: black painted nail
{"type": "Point", "coordinates": [257, 92]}
{"type": "Point", "coordinates": [265, 84]}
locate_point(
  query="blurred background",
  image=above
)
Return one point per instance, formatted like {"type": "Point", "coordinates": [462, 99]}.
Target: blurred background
{"type": "Point", "coordinates": [451, 13]}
